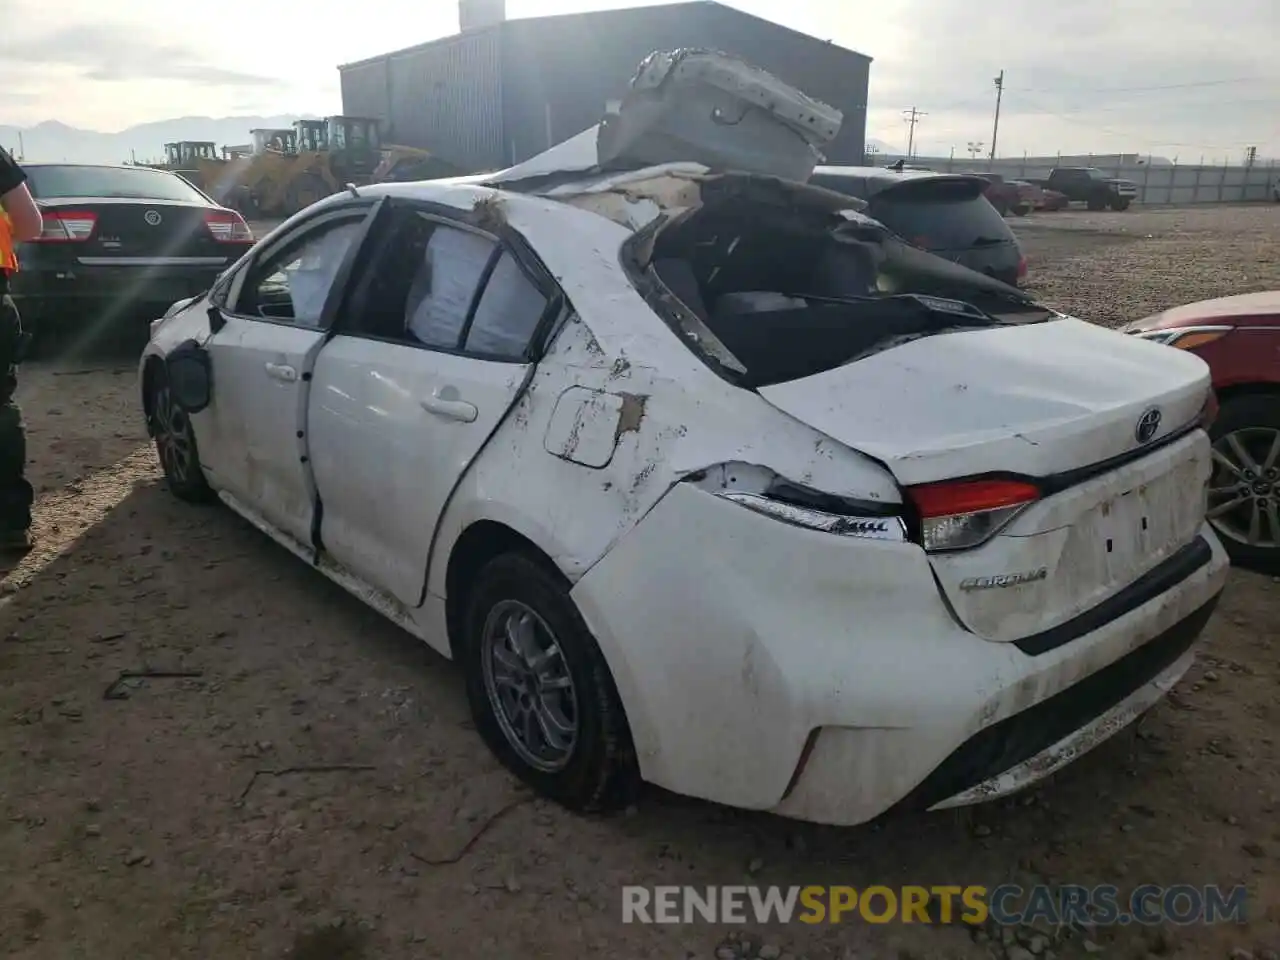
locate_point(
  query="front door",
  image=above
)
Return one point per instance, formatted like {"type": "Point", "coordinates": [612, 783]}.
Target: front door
{"type": "Point", "coordinates": [262, 358]}
{"type": "Point", "coordinates": [416, 380]}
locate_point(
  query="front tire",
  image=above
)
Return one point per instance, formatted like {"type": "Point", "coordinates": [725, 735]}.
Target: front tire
{"type": "Point", "coordinates": [175, 441]}
{"type": "Point", "coordinates": [1119, 204]}
{"type": "Point", "coordinates": [1244, 490]}
{"type": "Point", "coordinates": [541, 694]}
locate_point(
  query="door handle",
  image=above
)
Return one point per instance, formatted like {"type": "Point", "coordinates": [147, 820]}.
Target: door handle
{"type": "Point", "coordinates": [453, 409]}
{"type": "Point", "coordinates": [282, 371]}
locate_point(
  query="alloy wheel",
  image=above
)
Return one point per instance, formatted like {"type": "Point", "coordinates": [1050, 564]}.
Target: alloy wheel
{"type": "Point", "coordinates": [529, 687]}
{"type": "Point", "coordinates": [1244, 491]}
{"type": "Point", "coordinates": [173, 436]}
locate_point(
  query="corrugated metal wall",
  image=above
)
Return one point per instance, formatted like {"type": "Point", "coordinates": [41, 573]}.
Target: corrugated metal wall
{"type": "Point", "coordinates": [496, 96]}
{"type": "Point", "coordinates": [364, 89]}
{"type": "Point", "coordinates": [445, 97]}
{"type": "Point", "coordinates": [559, 71]}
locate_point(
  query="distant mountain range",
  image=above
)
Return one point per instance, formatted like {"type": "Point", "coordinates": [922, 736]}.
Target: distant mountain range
{"type": "Point", "coordinates": [54, 141]}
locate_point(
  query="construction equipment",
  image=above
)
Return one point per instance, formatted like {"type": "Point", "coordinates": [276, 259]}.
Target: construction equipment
{"type": "Point", "coordinates": [291, 169]}
{"type": "Point", "coordinates": [331, 153]}
{"type": "Point", "coordinates": [287, 169]}
{"type": "Point", "coordinates": [185, 154]}
{"type": "Point", "coordinates": [400, 164]}
{"type": "Point", "coordinates": [187, 158]}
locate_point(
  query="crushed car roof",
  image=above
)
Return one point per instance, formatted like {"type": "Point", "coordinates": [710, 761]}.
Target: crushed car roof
{"type": "Point", "coordinates": [693, 108]}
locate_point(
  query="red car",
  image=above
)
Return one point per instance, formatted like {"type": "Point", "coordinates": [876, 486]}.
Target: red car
{"type": "Point", "coordinates": [1003, 195]}
{"type": "Point", "coordinates": [1239, 337]}
{"type": "Point", "coordinates": [1040, 198]}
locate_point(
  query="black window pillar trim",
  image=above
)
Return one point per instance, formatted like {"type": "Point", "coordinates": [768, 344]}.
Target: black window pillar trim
{"type": "Point", "coordinates": [482, 284]}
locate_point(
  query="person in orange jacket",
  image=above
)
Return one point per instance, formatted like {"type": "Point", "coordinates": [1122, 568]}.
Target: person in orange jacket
{"type": "Point", "coordinates": [20, 221]}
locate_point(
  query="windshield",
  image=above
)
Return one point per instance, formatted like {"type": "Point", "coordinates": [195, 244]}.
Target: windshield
{"type": "Point", "coordinates": [941, 215]}
{"type": "Point", "coordinates": [141, 183]}
{"type": "Point", "coordinates": [1093, 173]}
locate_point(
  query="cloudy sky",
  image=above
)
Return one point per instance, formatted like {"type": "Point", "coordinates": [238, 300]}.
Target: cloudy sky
{"type": "Point", "coordinates": [1172, 77]}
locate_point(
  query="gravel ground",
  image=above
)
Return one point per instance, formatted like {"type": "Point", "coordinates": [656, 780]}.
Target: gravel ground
{"type": "Point", "coordinates": [159, 816]}
{"type": "Point", "coordinates": [1115, 267]}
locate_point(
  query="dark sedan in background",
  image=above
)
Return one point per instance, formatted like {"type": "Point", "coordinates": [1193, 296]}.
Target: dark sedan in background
{"type": "Point", "coordinates": [119, 242]}
{"type": "Point", "coordinates": [946, 214]}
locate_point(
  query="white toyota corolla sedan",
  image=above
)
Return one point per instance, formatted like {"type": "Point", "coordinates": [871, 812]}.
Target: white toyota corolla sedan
{"type": "Point", "coordinates": [707, 480]}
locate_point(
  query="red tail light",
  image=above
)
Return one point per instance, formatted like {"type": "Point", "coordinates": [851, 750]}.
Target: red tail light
{"type": "Point", "coordinates": [67, 226]}
{"type": "Point", "coordinates": [1022, 267]}
{"type": "Point", "coordinates": [965, 513]}
{"type": "Point", "coordinates": [227, 226]}
{"type": "Point", "coordinates": [970, 496]}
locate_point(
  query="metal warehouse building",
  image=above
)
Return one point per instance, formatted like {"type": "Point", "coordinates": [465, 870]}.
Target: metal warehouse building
{"type": "Point", "coordinates": [503, 90]}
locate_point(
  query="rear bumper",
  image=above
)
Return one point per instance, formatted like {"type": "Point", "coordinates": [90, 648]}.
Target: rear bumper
{"type": "Point", "coordinates": [46, 292]}
{"type": "Point", "coordinates": [823, 678]}
{"type": "Point", "coordinates": [1029, 746]}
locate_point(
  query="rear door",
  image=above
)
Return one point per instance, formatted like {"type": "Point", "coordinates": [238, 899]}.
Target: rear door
{"type": "Point", "coordinates": [275, 320]}
{"type": "Point", "coordinates": [438, 344]}
{"type": "Point", "coordinates": [953, 219]}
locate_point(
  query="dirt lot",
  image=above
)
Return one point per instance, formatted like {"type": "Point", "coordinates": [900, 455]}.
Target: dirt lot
{"type": "Point", "coordinates": [156, 817]}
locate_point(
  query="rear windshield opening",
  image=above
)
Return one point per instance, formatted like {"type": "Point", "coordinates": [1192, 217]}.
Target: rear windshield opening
{"type": "Point", "coordinates": [941, 215]}
{"type": "Point", "coordinates": [54, 182]}
{"type": "Point", "coordinates": [786, 297]}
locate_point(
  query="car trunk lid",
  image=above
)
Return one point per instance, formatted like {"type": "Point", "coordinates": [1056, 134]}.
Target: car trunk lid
{"type": "Point", "coordinates": [1037, 400]}
{"type": "Point", "coordinates": [132, 229]}
{"type": "Point", "coordinates": [1064, 404]}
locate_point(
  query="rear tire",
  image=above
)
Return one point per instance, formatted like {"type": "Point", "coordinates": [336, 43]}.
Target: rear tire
{"type": "Point", "coordinates": [175, 441]}
{"type": "Point", "coordinates": [1248, 424]}
{"type": "Point", "coordinates": [541, 694]}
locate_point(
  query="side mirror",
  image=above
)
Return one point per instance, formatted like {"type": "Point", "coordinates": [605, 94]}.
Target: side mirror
{"type": "Point", "coordinates": [190, 376]}
{"type": "Point", "coordinates": [216, 320]}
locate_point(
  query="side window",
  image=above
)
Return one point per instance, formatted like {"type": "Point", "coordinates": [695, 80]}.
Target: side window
{"type": "Point", "coordinates": [444, 285]}
{"type": "Point", "coordinates": [508, 313]}
{"type": "Point", "coordinates": [292, 284]}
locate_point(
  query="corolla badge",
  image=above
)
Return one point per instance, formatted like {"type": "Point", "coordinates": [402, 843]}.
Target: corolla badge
{"type": "Point", "coordinates": [1002, 580]}
{"type": "Point", "coordinates": [1148, 425]}
{"type": "Point", "coordinates": [152, 217]}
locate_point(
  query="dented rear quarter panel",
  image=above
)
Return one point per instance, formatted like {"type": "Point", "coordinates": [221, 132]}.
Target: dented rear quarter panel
{"type": "Point", "coordinates": [543, 474]}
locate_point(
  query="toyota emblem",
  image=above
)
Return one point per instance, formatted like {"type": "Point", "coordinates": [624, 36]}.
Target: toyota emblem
{"type": "Point", "coordinates": [152, 217]}
{"type": "Point", "coordinates": [1148, 425]}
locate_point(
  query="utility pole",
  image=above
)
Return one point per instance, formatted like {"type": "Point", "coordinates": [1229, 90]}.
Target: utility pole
{"type": "Point", "coordinates": [912, 117]}
{"type": "Point", "coordinates": [22, 148]}
{"type": "Point", "coordinates": [995, 130]}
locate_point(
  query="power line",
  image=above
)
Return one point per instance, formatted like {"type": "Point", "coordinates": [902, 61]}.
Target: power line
{"type": "Point", "coordinates": [912, 117]}
{"type": "Point", "coordinates": [1125, 134]}
{"type": "Point", "coordinates": [1179, 105]}
{"type": "Point", "coordinates": [1166, 86]}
